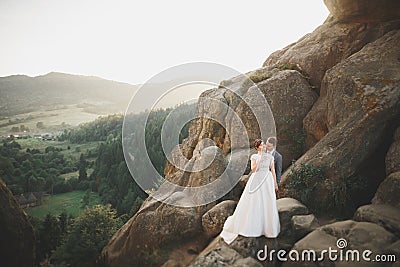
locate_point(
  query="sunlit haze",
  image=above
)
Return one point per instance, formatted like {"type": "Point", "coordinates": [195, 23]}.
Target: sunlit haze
{"type": "Point", "coordinates": [130, 41]}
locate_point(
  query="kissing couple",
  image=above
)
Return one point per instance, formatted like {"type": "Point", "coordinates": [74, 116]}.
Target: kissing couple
{"type": "Point", "coordinates": [256, 213]}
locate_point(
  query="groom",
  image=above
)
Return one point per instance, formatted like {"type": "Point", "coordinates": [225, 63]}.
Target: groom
{"type": "Point", "coordinates": [271, 145]}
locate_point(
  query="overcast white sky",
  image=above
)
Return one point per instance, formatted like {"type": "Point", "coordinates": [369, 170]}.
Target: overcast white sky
{"type": "Point", "coordinates": [130, 41]}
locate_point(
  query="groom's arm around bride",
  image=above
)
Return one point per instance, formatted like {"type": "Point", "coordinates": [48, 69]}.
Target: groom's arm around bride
{"type": "Point", "coordinates": [271, 146]}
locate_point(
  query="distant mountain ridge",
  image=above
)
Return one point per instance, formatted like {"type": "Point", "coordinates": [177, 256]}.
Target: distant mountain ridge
{"type": "Point", "coordinates": [22, 93]}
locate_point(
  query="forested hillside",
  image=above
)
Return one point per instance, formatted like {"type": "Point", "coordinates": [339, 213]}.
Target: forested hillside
{"type": "Point", "coordinates": [43, 92]}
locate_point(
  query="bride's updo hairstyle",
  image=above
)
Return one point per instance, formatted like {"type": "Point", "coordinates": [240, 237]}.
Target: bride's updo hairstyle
{"type": "Point", "coordinates": [257, 143]}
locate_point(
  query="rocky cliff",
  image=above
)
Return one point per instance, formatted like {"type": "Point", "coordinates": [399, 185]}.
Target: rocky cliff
{"type": "Point", "coordinates": [335, 96]}
{"type": "Point", "coordinates": [18, 242]}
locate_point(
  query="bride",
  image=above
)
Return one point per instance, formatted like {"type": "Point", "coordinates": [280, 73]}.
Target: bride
{"type": "Point", "coordinates": [256, 213]}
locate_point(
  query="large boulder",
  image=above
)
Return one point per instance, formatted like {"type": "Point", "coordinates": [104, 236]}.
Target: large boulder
{"type": "Point", "coordinates": [317, 241]}
{"type": "Point", "coordinates": [384, 215]}
{"type": "Point", "coordinates": [287, 208]}
{"type": "Point", "coordinates": [361, 10]}
{"type": "Point", "coordinates": [389, 191]}
{"type": "Point", "coordinates": [359, 102]}
{"type": "Point", "coordinates": [394, 249]}
{"type": "Point", "coordinates": [304, 224]}
{"type": "Point", "coordinates": [146, 234]}
{"type": "Point", "coordinates": [18, 241]}
{"type": "Point", "coordinates": [214, 219]}
{"type": "Point", "coordinates": [343, 235]}
{"type": "Point", "coordinates": [326, 46]}
{"type": "Point", "coordinates": [247, 246]}
{"type": "Point", "coordinates": [224, 256]}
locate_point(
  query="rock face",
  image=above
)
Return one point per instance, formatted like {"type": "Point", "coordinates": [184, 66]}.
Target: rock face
{"type": "Point", "coordinates": [359, 10]}
{"type": "Point", "coordinates": [281, 88]}
{"type": "Point", "coordinates": [358, 105]}
{"type": "Point", "coordinates": [375, 227]}
{"type": "Point", "coordinates": [359, 86]}
{"type": "Point", "coordinates": [289, 88]}
{"type": "Point", "coordinates": [328, 45]}
{"type": "Point", "coordinates": [343, 63]}
{"type": "Point", "coordinates": [393, 155]}
{"type": "Point", "coordinates": [18, 241]}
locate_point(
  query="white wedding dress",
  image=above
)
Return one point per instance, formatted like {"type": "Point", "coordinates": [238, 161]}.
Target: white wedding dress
{"type": "Point", "coordinates": [256, 213]}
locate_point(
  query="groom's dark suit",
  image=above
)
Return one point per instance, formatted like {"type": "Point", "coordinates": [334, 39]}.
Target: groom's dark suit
{"type": "Point", "coordinates": [278, 165]}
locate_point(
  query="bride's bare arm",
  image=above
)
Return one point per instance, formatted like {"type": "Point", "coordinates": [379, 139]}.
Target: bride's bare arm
{"type": "Point", "coordinates": [272, 167]}
{"type": "Point", "coordinates": [253, 164]}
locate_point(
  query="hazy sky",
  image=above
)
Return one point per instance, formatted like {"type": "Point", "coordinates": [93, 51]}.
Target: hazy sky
{"type": "Point", "coordinates": [131, 41]}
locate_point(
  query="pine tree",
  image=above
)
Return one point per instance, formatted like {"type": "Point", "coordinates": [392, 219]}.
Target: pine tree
{"type": "Point", "coordinates": [82, 168]}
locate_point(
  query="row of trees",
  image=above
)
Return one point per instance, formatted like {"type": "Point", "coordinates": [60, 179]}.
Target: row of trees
{"type": "Point", "coordinates": [98, 130]}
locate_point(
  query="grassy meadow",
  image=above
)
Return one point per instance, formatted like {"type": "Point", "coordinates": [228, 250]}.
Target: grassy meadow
{"type": "Point", "coordinates": [70, 202]}
{"type": "Point", "coordinates": [52, 120]}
